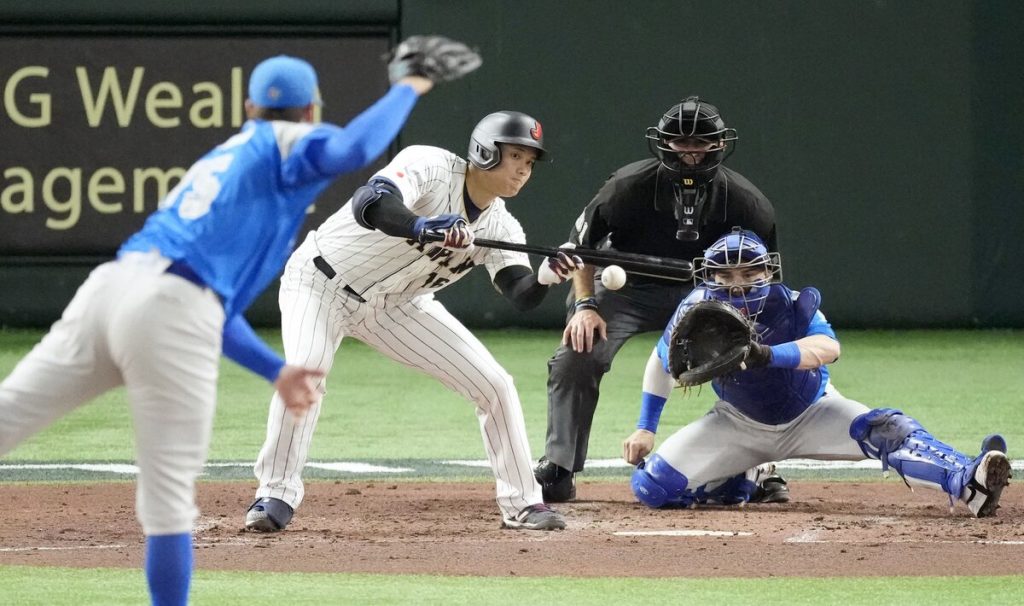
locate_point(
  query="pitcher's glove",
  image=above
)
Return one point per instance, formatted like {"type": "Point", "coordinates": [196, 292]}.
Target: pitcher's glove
{"type": "Point", "coordinates": [710, 340]}
{"type": "Point", "coordinates": [437, 58]}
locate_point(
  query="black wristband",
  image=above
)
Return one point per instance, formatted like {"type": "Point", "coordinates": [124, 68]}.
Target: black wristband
{"type": "Point", "coordinates": [584, 303]}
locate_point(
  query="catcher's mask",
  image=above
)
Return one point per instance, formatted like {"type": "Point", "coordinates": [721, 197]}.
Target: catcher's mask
{"type": "Point", "coordinates": [691, 140]}
{"type": "Point", "coordinates": [750, 266]}
{"type": "Point", "coordinates": [687, 123]}
{"type": "Point", "coordinates": [504, 127]}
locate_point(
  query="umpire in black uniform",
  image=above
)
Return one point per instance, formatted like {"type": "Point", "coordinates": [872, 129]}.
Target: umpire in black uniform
{"type": "Point", "coordinates": [674, 205]}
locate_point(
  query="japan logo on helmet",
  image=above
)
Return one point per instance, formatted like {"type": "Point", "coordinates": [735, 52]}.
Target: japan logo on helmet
{"type": "Point", "coordinates": [504, 127]}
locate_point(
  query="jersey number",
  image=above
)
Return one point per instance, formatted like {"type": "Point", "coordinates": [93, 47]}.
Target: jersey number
{"type": "Point", "coordinates": [202, 183]}
{"type": "Point", "coordinates": [433, 281]}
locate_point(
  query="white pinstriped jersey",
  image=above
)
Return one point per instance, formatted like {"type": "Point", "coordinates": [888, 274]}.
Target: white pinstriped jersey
{"type": "Point", "coordinates": [432, 181]}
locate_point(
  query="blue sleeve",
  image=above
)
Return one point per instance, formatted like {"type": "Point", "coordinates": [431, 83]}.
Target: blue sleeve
{"type": "Point", "coordinates": [651, 406]}
{"type": "Point", "coordinates": [662, 349]}
{"type": "Point", "coordinates": [243, 346]}
{"type": "Point", "coordinates": [820, 326]}
{"type": "Point", "coordinates": [365, 137]}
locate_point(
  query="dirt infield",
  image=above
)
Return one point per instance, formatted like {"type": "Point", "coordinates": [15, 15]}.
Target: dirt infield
{"type": "Point", "coordinates": [830, 529]}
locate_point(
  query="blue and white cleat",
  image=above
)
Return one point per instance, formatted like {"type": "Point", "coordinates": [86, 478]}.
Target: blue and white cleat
{"type": "Point", "coordinates": [993, 442]}
{"type": "Point", "coordinates": [990, 476]}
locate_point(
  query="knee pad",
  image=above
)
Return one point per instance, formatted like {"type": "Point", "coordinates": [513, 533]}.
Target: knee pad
{"type": "Point", "coordinates": [656, 484]}
{"type": "Point", "coordinates": [881, 431]}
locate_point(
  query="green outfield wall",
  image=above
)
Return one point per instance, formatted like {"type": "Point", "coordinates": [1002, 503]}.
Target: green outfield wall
{"type": "Point", "coordinates": [887, 133]}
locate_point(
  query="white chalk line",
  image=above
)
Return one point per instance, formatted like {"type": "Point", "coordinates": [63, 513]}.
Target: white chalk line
{"type": "Point", "coordinates": [358, 467]}
{"type": "Point", "coordinates": [71, 548]}
{"type": "Point", "coordinates": [683, 533]}
{"type": "Point", "coordinates": [904, 541]}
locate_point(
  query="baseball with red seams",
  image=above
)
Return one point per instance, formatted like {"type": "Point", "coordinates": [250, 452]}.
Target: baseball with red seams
{"type": "Point", "coordinates": [613, 277]}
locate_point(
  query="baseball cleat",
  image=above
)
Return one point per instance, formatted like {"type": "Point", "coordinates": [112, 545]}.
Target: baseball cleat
{"type": "Point", "coordinates": [268, 514]}
{"type": "Point", "coordinates": [993, 442]}
{"type": "Point", "coordinates": [536, 517]}
{"type": "Point", "coordinates": [771, 487]}
{"type": "Point", "coordinates": [557, 484]}
{"type": "Point", "coordinates": [986, 486]}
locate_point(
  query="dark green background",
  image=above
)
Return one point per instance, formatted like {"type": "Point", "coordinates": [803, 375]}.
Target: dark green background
{"type": "Point", "coordinates": [887, 133]}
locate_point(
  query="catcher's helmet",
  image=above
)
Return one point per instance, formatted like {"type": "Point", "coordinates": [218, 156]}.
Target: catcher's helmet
{"type": "Point", "coordinates": [738, 250]}
{"type": "Point", "coordinates": [692, 118]}
{"type": "Point", "coordinates": [503, 127]}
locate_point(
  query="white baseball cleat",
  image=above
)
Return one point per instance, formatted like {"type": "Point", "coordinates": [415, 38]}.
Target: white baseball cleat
{"type": "Point", "coordinates": [990, 477]}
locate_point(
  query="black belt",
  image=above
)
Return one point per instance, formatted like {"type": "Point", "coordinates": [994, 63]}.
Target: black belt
{"type": "Point", "coordinates": [326, 269]}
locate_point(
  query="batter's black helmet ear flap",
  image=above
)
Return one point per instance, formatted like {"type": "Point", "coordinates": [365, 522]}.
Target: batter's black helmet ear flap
{"type": "Point", "coordinates": [504, 127]}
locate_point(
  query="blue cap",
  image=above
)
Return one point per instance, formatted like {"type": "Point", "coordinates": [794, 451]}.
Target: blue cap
{"type": "Point", "coordinates": [284, 81]}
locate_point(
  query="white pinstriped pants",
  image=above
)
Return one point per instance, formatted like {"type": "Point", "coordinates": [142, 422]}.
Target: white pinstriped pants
{"type": "Point", "coordinates": [316, 314]}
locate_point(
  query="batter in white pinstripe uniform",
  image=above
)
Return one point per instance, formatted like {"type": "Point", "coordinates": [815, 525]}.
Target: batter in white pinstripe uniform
{"type": "Point", "coordinates": [369, 273]}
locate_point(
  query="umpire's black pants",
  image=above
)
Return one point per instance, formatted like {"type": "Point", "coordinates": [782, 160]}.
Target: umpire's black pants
{"type": "Point", "coordinates": [574, 379]}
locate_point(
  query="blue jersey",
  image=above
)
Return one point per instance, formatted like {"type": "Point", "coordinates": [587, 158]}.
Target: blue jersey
{"type": "Point", "coordinates": [768, 395]}
{"type": "Point", "coordinates": [235, 214]}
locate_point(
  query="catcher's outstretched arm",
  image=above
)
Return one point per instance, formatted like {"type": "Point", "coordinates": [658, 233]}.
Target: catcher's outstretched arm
{"type": "Point", "coordinates": [808, 353]}
{"type": "Point", "coordinates": [817, 351]}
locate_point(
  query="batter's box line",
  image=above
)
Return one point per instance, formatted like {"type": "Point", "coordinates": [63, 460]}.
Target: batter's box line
{"type": "Point", "coordinates": [68, 548]}
{"type": "Point", "coordinates": [812, 536]}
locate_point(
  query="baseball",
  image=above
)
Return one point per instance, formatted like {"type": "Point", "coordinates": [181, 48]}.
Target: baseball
{"type": "Point", "coordinates": [613, 277]}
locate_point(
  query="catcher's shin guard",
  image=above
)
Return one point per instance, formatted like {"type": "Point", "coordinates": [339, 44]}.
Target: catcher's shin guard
{"type": "Point", "coordinates": [657, 484]}
{"type": "Point", "coordinates": [900, 442]}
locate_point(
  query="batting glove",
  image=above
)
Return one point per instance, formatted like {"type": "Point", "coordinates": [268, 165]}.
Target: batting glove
{"type": "Point", "coordinates": [450, 230]}
{"type": "Point", "coordinates": [558, 269]}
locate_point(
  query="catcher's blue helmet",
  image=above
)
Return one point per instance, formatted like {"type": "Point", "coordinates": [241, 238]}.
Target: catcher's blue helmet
{"type": "Point", "coordinates": [739, 249]}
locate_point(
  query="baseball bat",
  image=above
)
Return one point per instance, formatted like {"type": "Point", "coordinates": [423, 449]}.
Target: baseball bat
{"type": "Point", "coordinates": [633, 263]}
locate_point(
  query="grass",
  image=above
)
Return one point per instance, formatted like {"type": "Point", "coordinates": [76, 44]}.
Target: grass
{"type": "Point", "coordinates": [961, 385]}
{"type": "Point", "coordinates": [78, 587]}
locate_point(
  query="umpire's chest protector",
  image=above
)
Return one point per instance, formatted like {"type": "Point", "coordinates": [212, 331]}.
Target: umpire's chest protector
{"type": "Point", "coordinates": [777, 395]}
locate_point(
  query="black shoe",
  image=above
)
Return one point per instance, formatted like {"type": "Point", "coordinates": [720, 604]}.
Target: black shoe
{"type": "Point", "coordinates": [557, 484]}
{"type": "Point", "coordinates": [268, 515]}
{"type": "Point", "coordinates": [772, 490]}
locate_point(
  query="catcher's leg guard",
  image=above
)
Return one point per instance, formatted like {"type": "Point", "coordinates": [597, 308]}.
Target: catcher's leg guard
{"type": "Point", "coordinates": [657, 484]}
{"type": "Point", "coordinates": [900, 442]}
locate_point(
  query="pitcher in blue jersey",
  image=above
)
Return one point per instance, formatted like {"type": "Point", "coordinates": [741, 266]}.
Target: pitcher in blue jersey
{"type": "Point", "coordinates": [781, 404]}
{"type": "Point", "coordinates": [157, 318]}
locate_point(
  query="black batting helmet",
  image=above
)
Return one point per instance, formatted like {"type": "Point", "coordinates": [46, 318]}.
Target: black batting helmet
{"type": "Point", "coordinates": [697, 119]}
{"type": "Point", "coordinates": [503, 127]}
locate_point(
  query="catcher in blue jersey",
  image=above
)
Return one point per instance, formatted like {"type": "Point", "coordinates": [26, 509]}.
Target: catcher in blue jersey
{"type": "Point", "coordinates": [775, 400]}
{"type": "Point", "coordinates": [157, 318]}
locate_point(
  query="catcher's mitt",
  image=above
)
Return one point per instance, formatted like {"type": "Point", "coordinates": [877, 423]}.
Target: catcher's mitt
{"type": "Point", "coordinates": [710, 340]}
{"type": "Point", "coordinates": [435, 57]}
